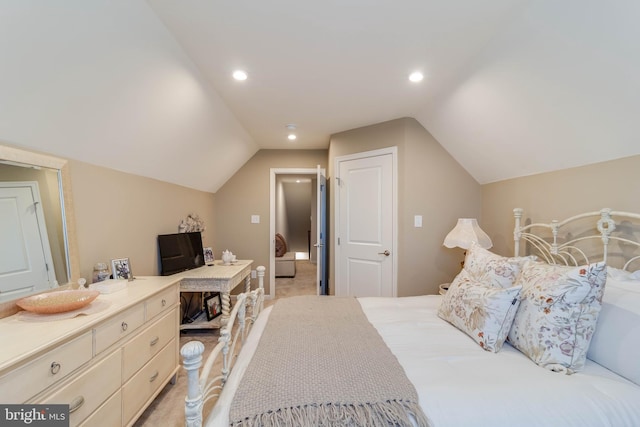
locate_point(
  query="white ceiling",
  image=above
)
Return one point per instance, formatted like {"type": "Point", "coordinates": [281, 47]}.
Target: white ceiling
{"type": "Point", "coordinates": [512, 87]}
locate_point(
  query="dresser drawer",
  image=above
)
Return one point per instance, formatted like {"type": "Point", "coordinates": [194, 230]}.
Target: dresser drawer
{"type": "Point", "coordinates": [109, 414]}
{"type": "Point", "coordinates": [119, 327]}
{"type": "Point", "coordinates": [162, 302]}
{"type": "Point", "coordinates": [30, 379]}
{"type": "Point", "coordinates": [144, 384]}
{"type": "Point", "coordinates": [148, 343]}
{"type": "Point", "coordinates": [90, 389]}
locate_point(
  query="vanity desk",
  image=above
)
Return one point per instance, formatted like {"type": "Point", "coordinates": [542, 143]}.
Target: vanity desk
{"type": "Point", "coordinates": [108, 364]}
{"type": "Point", "coordinates": [215, 278]}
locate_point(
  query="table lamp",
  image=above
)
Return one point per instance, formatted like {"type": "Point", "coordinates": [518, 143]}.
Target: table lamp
{"type": "Point", "coordinates": [464, 233]}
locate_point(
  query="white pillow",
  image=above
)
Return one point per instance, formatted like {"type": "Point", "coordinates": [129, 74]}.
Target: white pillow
{"type": "Point", "coordinates": [623, 275]}
{"type": "Point", "coordinates": [481, 311]}
{"type": "Point", "coordinates": [558, 312]}
{"type": "Point", "coordinates": [491, 269]}
{"type": "Point", "coordinates": [616, 341]}
{"type": "Point", "coordinates": [618, 274]}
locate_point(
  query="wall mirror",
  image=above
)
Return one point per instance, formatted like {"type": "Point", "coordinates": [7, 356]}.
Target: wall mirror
{"type": "Point", "coordinates": [36, 187]}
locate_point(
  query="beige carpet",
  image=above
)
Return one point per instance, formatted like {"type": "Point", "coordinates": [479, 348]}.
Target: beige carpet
{"type": "Point", "coordinates": [303, 284]}
{"type": "Point", "coordinates": [167, 409]}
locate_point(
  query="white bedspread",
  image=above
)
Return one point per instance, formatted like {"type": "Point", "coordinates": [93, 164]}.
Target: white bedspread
{"type": "Point", "coordinates": [461, 385]}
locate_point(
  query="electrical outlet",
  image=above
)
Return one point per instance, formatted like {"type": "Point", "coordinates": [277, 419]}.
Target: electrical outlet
{"type": "Point", "coordinates": [254, 274]}
{"type": "Point", "coordinates": [417, 221]}
{"type": "Point", "coordinates": [255, 219]}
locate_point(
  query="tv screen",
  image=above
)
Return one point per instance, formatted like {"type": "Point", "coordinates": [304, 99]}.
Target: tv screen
{"type": "Point", "coordinates": [180, 252]}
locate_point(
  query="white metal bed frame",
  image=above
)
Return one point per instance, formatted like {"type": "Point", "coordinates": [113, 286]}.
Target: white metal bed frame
{"type": "Point", "coordinates": [202, 388]}
{"type": "Point", "coordinates": [564, 250]}
{"type": "Point", "coordinates": [548, 244]}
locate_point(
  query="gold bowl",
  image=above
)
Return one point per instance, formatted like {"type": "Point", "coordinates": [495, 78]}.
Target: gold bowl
{"type": "Point", "coordinates": [58, 301]}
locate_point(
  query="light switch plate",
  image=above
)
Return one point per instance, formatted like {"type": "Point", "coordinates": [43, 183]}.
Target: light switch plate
{"type": "Point", "coordinates": [417, 221]}
{"type": "Point", "coordinates": [255, 219]}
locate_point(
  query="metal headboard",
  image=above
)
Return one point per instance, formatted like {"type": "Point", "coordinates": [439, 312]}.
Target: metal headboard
{"type": "Point", "coordinates": [558, 243]}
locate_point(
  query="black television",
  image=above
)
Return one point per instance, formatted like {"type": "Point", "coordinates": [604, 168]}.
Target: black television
{"type": "Point", "coordinates": [180, 252]}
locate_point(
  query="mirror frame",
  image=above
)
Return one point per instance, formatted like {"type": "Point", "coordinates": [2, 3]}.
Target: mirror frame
{"type": "Point", "coordinates": [64, 180]}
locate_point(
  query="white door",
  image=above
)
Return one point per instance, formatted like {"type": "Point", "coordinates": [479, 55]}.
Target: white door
{"type": "Point", "coordinates": [25, 256]}
{"type": "Point", "coordinates": [321, 215]}
{"type": "Point", "coordinates": [365, 224]}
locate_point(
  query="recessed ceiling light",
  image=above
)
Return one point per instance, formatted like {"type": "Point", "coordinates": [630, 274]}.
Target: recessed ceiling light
{"type": "Point", "coordinates": [240, 75]}
{"type": "Point", "coordinates": [416, 76]}
{"type": "Point", "coordinates": [291, 127]}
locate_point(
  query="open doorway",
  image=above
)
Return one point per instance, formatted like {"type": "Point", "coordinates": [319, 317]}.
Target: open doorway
{"type": "Point", "coordinates": [295, 229]}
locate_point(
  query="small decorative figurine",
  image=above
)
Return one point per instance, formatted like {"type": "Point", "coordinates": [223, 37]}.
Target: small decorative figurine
{"type": "Point", "coordinates": [227, 257]}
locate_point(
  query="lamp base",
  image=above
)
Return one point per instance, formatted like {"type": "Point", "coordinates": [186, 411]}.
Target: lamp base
{"type": "Point", "coordinates": [462, 262]}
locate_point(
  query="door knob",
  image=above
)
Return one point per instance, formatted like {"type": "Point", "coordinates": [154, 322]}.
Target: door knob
{"type": "Point", "coordinates": [385, 253]}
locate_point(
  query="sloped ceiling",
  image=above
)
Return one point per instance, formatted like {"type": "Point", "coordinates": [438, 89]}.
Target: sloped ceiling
{"type": "Point", "coordinates": [512, 87]}
{"type": "Point", "coordinates": [104, 82]}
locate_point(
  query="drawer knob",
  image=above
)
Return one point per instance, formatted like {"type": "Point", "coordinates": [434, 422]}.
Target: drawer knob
{"type": "Point", "coordinates": [164, 302]}
{"type": "Point", "coordinates": [124, 326]}
{"type": "Point", "coordinates": [153, 377]}
{"type": "Point", "coordinates": [76, 404]}
{"type": "Point", "coordinates": [154, 341]}
{"type": "Point", "coordinates": [55, 368]}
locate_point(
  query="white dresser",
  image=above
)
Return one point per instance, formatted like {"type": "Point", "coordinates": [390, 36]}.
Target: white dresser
{"type": "Point", "coordinates": [108, 365]}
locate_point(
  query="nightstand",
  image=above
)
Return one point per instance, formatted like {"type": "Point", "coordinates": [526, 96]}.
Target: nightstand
{"type": "Point", "coordinates": [444, 288]}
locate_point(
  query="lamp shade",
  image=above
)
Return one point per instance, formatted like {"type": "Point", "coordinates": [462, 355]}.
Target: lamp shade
{"type": "Point", "coordinates": [465, 232]}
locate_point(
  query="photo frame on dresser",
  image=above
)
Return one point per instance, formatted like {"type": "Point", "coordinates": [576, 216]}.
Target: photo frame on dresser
{"type": "Point", "coordinates": [208, 256]}
{"type": "Point", "coordinates": [121, 269]}
{"type": "Point", "coordinates": [213, 305]}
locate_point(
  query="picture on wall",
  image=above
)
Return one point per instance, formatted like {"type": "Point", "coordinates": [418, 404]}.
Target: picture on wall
{"type": "Point", "coordinates": [121, 269]}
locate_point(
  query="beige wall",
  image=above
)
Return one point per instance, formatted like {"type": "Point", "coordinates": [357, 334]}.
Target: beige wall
{"type": "Point", "coordinates": [120, 215]}
{"type": "Point", "coordinates": [558, 195]}
{"type": "Point", "coordinates": [247, 193]}
{"type": "Point", "coordinates": [281, 220]}
{"type": "Point", "coordinates": [298, 206]}
{"type": "Point", "coordinates": [430, 183]}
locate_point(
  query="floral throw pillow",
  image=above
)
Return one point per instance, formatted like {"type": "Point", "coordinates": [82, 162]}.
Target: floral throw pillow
{"type": "Point", "coordinates": [483, 312]}
{"type": "Point", "coordinates": [558, 313]}
{"type": "Point", "coordinates": [491, 269]}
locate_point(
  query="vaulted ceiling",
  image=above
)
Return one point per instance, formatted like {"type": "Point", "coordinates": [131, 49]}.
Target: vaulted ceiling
{"type": "Point", "coordinates": [511, 87]}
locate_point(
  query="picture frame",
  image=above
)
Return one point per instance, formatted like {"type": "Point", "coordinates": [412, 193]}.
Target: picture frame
{"type": "Point", "coordinates": [213, 305]}
{"type": "Point", "coordinates": [208, 256]}
{"type": "Point", "coordinates": [121, 269]}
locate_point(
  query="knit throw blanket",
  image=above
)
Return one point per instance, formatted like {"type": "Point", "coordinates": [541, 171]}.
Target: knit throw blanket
{"type": "Point", "coordinates": [321, 363]}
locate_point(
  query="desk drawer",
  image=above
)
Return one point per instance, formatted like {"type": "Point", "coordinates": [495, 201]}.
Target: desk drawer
{"type": "Point", "coordinates": [119, 327]}
{"type": "Point", "coordinates": [148, 381]}
{"type": "Point", "coordinates": [89, 390]}
{"type": "Point", "coordinates": [162, 302]}
{"type": "Point", "coordinates": [142, 348]}
{"type": "Point", "coordinates": [21, 384]}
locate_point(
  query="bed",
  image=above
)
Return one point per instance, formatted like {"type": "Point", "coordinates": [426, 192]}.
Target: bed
{"type": "Point", "coordinates": [475, 365]}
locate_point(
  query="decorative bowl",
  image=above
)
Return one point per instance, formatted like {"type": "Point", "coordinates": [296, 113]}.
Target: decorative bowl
{"type": "Point", "coordinates": [58, 301]}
